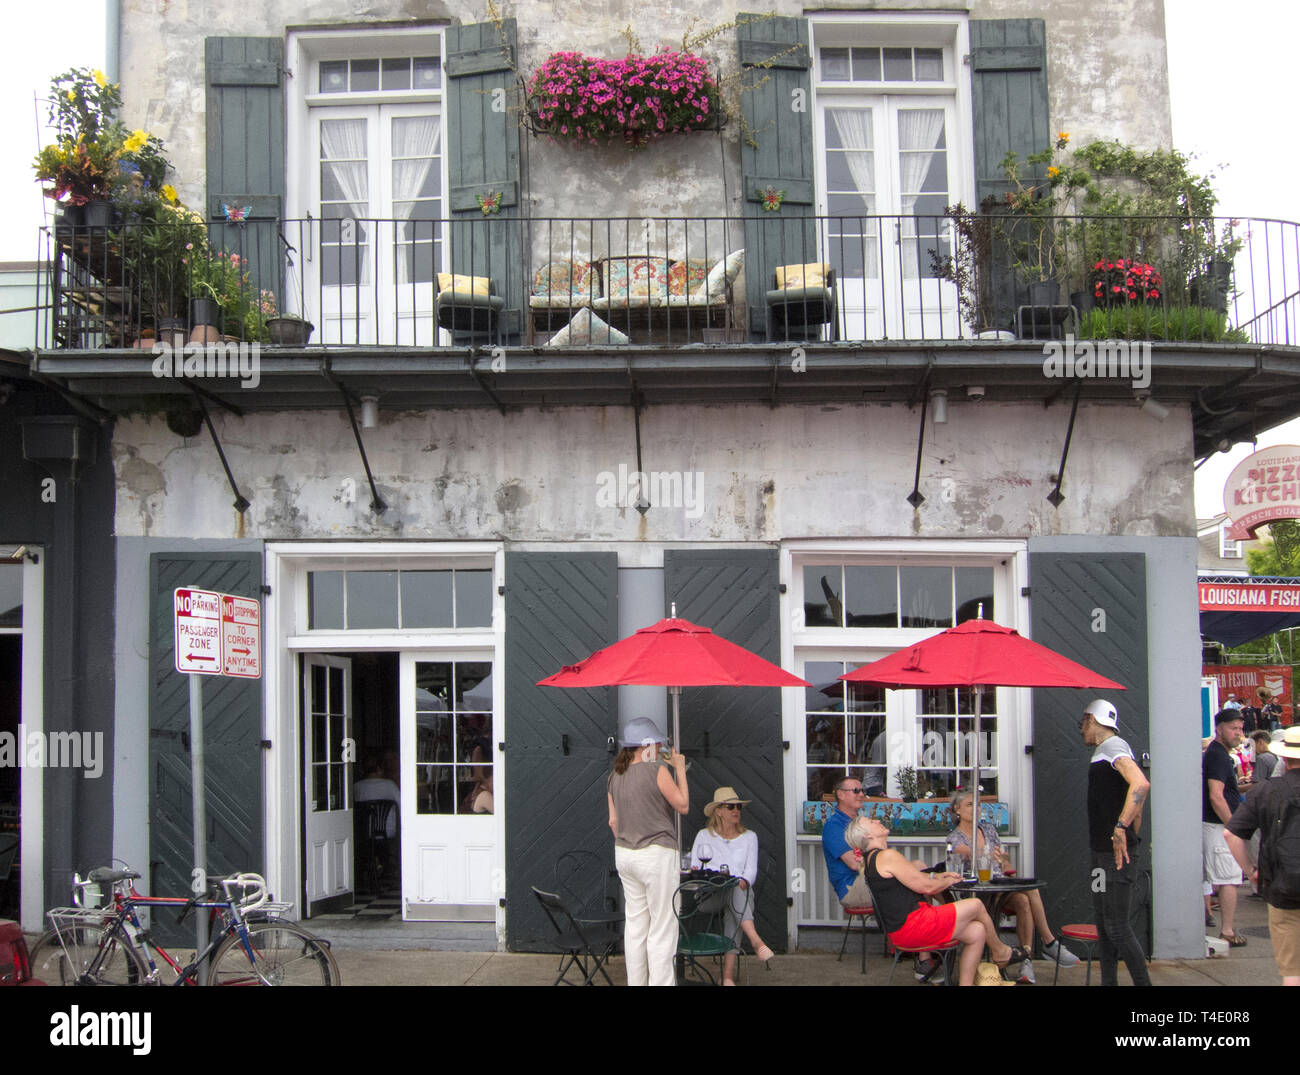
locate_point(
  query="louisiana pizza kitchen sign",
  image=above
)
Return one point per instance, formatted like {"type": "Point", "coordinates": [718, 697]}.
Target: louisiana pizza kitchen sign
{"type": "Point", "coordinates": [1262, 488]}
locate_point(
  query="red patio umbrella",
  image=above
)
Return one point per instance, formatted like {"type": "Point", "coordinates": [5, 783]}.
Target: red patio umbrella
{"type": "Point", "coordinates": [978, 653]}
{"type": "Point", "coordinates": [673, 653]}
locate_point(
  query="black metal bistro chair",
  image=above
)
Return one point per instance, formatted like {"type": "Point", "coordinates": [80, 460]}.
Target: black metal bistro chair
{"type": "Point", "coordinates": [469, 308]}
{"type": "Point", "coordinates": [803, 300]}
{"type": "Point", "coordinates": [583, 879]}
{"type": "Point", "coordinates": [587, 949]}
{"type": "Point", "coordinates": [700, 906]}
{"type": "Point", "coordinates": [374, 843]}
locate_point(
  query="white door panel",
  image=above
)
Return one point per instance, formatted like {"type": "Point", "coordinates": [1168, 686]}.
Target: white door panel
{"type": "Point", "coordinates": [327, 784]}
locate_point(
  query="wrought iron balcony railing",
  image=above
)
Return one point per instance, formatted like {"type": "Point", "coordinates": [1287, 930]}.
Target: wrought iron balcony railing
{"type": "Point", "coordinates": [675, 281]}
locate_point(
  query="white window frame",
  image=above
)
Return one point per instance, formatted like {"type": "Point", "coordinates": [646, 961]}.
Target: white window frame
{"type": "Point", "coordinates": [799, 644]}
{"type": "Point", "coordinates": [304, 51]}
{"type": "Point", "coordinates": [285, 635]}
{"type": "Point", "coordinates": [1228, 549]}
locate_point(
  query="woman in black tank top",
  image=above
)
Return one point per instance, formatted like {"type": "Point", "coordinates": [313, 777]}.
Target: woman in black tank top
{"type": "Point", "coordinates": [899, 889]}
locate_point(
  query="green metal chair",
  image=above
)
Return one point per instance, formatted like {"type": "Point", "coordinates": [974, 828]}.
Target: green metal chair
{"type": "Point", "coordinates": [700, 906]}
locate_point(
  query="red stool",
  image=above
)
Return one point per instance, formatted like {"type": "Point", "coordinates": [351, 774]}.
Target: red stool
{"type": "Point", "coordinates": [947, 948]}
{"type": "Point", "coordinates": [1084, 933]}
{"type": "Point", "coordinates": [861, 914]}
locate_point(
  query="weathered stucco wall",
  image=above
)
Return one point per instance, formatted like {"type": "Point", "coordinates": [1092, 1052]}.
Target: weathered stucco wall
{"type": "Point", "coordinates": [1107, 78]}
{"type": "Point", "coordinates": [744, 473]}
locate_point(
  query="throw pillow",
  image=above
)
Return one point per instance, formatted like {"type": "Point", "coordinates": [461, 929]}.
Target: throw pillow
{"type": "Point", "coordinates": [585, 329]}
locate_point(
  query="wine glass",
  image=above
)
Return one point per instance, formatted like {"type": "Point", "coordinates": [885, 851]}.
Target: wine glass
{"type": "Point", "coordinates": [705, 855]}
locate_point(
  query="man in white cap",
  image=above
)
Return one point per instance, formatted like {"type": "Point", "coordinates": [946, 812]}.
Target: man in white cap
{"type": "Point", "coordinates": [1273, 808]}
{"type": "Point", "coordinates": [1117, 789]}
{"type": "Point", "coordinates": [1220, 798]}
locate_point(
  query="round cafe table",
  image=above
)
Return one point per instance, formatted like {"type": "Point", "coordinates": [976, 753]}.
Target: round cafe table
{"type": "Point", "coordinates": [995, 891]}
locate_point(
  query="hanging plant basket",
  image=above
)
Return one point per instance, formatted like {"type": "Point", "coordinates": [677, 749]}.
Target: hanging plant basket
{"type": "Point", "coordinates": [590, 101]}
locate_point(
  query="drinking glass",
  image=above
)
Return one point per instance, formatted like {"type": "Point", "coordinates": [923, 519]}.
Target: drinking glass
{"type": "Point", "coordinates": [985, 867]}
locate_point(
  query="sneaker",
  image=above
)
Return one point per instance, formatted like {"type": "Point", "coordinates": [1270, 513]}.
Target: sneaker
{"type": "Point", "coordinates": [1068, 958]}
{"type": "Point", "coordinates": [1027, 974]}
{"type": "Point", "coordinates": [929, 971]}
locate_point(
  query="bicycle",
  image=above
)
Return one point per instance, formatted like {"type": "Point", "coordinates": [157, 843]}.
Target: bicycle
{"type": "Point", "coordinates": [109, 945]}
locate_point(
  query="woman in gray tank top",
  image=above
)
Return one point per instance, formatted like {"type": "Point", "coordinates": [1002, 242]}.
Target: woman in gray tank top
{"type": "Point", "coordinates": [643, 792]}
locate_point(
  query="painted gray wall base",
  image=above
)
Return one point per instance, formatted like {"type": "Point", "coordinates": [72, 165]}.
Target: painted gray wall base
{"type": "Point", "coordinates": [1174, 663]}
{"type": "Point", "coordinates": [131, 662]}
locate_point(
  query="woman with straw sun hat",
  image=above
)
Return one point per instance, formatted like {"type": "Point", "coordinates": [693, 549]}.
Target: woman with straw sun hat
{"type": "Point", "coordinates": [726, 842]}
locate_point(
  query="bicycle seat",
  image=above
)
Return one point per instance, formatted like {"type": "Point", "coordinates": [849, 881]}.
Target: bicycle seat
{"type": "Point", "coordinates": [106, 875]}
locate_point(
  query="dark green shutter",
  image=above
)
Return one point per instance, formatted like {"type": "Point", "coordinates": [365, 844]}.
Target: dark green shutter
{"type": "Point", "coordinates": [775, 56]}
{"type": "Point", "coordinates": [245, 150]}
{"type": "Point", "coordinates": [1073, 596]}
{"type": "Point", "coordinates": [482, 128]}
{"type": "Point", "coordinates": [232, 722]}
{"type": "Point", "coordinates": [560, 608]}
{"type": "Point", "coordinates": [733, 734]}
{"type": "Point", "coordinates": [1010, 106]}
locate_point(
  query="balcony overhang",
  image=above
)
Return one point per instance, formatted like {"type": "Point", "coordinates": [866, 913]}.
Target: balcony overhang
{"type": "Point", "coordinates": [1235, 391]}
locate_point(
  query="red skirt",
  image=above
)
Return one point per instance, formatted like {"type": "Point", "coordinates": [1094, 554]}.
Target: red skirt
{"type": "Point", "coordinates": [927, 925]}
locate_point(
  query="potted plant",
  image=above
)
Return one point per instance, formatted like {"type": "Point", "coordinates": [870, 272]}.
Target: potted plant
{"type": "Point", "coordinates": [592, 101]}
{"type": "Point", "coordinates": [221, 288]}
{"type": "Point", "coordinates": [969, 266]}
{"type": "Point", "coordinates": [287, 330]}
{"type": "Point", "coordinates": [905, 775]}
{"type": "Point", "coordinates": [80, 165]}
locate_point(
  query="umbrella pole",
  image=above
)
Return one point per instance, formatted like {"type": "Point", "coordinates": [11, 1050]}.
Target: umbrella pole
{"type": "Point", "coordinates": [676, 694]}
{"type": "Point", "coordinates": [975, 789]}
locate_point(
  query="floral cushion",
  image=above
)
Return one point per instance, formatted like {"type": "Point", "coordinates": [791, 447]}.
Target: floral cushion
{"type": "Point", "coordinates": [635, 277]}
{"type": "Point", "coordinates": [686, 276]}
{"type": "Point", "coordinates": [565, 279]}
{"type": "Point", "coordinates": [792, 277]}
{"type": "Point", "coordinates": [586, 329]}
{"type": "Point", "coordinates": [721, 277]}
{"type": "Point", "coordinates": [474, 285]}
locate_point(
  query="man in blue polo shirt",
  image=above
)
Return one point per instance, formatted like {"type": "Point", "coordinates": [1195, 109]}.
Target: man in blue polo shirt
{"type": "Point", "coordinates": [841, 865]}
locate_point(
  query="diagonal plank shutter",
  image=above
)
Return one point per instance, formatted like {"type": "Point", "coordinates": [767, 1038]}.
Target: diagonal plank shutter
{"type": "Point", "coordinates": [560, 607]}
{"type": "Point", "coordinates": [245, 150]}
{"type": "Point", "coordinates": [1093, 609]}
{"type": "Point", "coordinates": [732, 735]}
{"type": "Point", "coordinates": [232, 722]}
{"type": "Point", "coordinates": [483, 158]}
{"type": "Point", "coordinates": [775, 57]}
{"type": "Point", "coordinates": [1010, 105]}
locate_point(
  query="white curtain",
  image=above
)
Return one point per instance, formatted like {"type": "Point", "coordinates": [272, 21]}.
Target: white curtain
{"type": "Point", "coordinates": [343, 154]}
{"type": "Point", "coordinates": [854, 127]}
{"type": "Point", "coordinates": [416, 143]}
{"type": "Point", "coordinates": [919, 131]}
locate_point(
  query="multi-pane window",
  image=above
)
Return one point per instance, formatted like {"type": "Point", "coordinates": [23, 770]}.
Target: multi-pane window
{"type": "Point", "coordinates": [453, 737]}
{"type": "Point", "coordinates": [327, 711]}
{"type": "Point", "coordinates": [844, 730]}
{"type": "Point", "coordinates": [875, 65]}
{"type": "Point", "coordinates": [886, 596]}
{"type": "Point", "coordinates": [389, 75]}
{"type": "Point", "coordinates": [375, 600]}
{"type": "Point", "coordinates": [947, 741]}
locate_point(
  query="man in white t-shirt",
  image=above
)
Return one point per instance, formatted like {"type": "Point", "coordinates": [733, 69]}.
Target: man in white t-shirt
{"type": "Point", "coordinates": [375, 788]}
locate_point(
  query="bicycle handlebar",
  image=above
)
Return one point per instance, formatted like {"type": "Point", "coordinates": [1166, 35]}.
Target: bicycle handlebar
{"type": "Point", "coordinates": [249, 901]}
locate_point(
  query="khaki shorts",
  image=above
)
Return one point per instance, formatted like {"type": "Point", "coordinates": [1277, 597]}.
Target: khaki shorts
{"type": "Point", "coordinates": [1220, 867]}
{"type": "Point", "coordinates": [1284, 928]}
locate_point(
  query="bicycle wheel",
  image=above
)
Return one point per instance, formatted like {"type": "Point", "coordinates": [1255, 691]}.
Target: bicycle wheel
{"type": "Point", "coordinates": [84, 956]}
{"type": "Point", "coordinates": [283, 954]}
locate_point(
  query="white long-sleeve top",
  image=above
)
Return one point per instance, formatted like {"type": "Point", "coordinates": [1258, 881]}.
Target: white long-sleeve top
{"type": "Point", "coordinates": [740, 855]}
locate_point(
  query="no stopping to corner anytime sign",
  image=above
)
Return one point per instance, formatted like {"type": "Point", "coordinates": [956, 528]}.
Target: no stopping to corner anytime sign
{"type": "Point", "coordinates": [217, 634]}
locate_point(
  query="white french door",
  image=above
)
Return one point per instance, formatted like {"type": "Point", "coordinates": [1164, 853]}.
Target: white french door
{"type": "Point", "coordinates": [326, 730]}
{"type": "Point", "coordinates": [886, 178]}
{"type": "Point", "coordinates": [448, 832]}
{"type": "Point", "coordinates": [378, 184]}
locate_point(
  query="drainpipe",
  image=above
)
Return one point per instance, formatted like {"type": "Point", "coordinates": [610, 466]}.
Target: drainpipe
{"type": "Point", "coordinates": [113, 40]}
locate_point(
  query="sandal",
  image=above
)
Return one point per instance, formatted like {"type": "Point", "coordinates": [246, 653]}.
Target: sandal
{"type": "Point", "coordinates": [1018, 958]}
{"type": "Point", "coordinates": [765, 955]}
{"type": "Point", "coordinates": [1235, 941]}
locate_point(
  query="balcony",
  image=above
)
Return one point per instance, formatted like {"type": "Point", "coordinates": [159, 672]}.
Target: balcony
{"type": "Point", "coordinates": [766, 307]}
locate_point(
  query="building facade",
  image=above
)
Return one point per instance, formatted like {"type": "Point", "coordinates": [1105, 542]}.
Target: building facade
{"type": "Point", "coordinates": [436, 517]}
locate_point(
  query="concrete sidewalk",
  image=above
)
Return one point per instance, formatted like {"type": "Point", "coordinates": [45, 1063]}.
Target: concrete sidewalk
{"type": "Point", "coordinates": [1252, 965]}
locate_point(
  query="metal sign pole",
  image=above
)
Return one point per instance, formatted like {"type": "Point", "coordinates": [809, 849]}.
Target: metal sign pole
{"type": "Point", "coordinates": [199, 807]}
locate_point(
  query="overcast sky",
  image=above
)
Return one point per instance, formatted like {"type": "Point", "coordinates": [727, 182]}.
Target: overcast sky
{"type": "Point", "coordinates": [1231, 72]}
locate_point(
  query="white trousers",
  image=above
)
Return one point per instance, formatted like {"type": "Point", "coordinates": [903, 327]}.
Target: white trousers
{"type": "Point", "coordinates": [650, 878]}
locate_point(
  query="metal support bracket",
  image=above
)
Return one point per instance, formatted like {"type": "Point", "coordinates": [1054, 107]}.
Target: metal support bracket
{"type": "Point", "coordinates": [241, 503]}
{"type": "Point", "coordinates": [377, 504]}
{"type": "Point", "coordinates": [1055, 497]}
